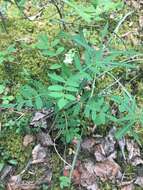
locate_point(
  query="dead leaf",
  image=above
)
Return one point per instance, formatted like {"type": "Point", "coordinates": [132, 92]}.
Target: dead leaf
{"type": "Point", "coordinates": [76, 176]}
{"type": "Point", "coordinates": [45, 139]}
{"type": "Point", "coordinates": [38, 154]}
{"type": "Point", "coordinates": [5, 172]}
{"type": "Point", "coordinates": [88, 144]}
{"type": "Point", "coordinates": [15, 179]}
{"type": "Point", "coordinates": [23, 186]}
{"type": "Point", "coordinates": [106, 147]}
{"type": "Point", "coordinates": [37, 117]}
{"type": "Point", "coordinates": [139, 181]}
{"type": "Point", "coordinates": [93, 187]}
{"type": "Point", "coordinates": [109, 142]}
{"type": "Point", "coordinates": [88, 177]}
{"type": "Point", "coordinates": [134, 155]}
{"type": "Point", "coordinates": [28, 139]}
{"type": "Point", "coordinates": [122, 144]}
{"type": "Point", "coordinates": [46, 178]}
{"type": "Point", "coordinates": [107, 170]}
{"type": "Point", "coordinates": [128, 187]}
{"type": "Point", "coordinates": [141, 21]}
{"type": "Point", "coordinates": [99, 153]}
{"type": "Point", "coordinates": [14, 182]}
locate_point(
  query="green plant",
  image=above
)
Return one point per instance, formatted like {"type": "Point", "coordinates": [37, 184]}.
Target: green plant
{"type": "Point", "coordinates": [95, 8]}
{"type": "Point", "coordinates": [130, 115]}
{"type": "Point", "coordinates": [64, 182]}
{"type": "Point", "coordinates": [7, 55]}
{"type": "Point", "coordinates": [5, 98]}
{"type": "Point", "coordinates": [73, 89]}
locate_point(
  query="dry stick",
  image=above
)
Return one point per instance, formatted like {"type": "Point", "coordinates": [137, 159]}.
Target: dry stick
{"type": "Point", "coordinates": [59, 12]}
{"type": "Point", "coordinates": [26, 168]}
{"type": "Point", "coordinates": [119, 24]}
{"type": "Point", "coordinates": [121, 85]}
{"type": "Point", "coordinates": [3, 22]}
{"type": "Point", "coordinates": [112, 84]}
{"type": "Point", "coordinates": [74, 160]}
{"type": "Point", "coordinates": [122, 20]}
{"type": "Point", "coordinates": [61, 156]}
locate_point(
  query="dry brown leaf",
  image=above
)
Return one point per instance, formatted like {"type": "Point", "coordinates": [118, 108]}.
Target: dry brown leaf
{"type": "Point", "coordinates": [139, 181]}
{"type": "Point", "coordinates": [37, 117]}
{"type": "Point", "coordinates": [93, 187]}
{"type": "Point", "coordinates": [88, 144]}
{"type": "Point", "coordinates": [14, 182]}
{"type": "Point", "coordinates": [122, 144]}
{"type": "Point", "coordinates": [45, 139]}
{"type": "Point", "coordinates": [141, 21]}
{"type": "Point", "coordinates": [38, 154]}
{"type": "Point", "coordinates": [88, 178]}
{"type": "Point", "coordinates": [128, 187]}
{"type": "Point", "coordinates": [106, 148]}
{"type": "Point", "coordinates": [47, 177]}
{"type": "Point", "coordinates": [107, 170]}
{"type": "Point", "coordinates": [23, 186]}
{"type": "Point", "coordinates": [28, 139]}
{"type": "Point", "coordinates": [134, 155]}
{"type": "Point", "coordinates": [5, 172]}
{"type": "Point", "coordinates": [99, 153]}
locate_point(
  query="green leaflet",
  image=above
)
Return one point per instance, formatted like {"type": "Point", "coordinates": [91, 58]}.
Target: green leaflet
{"type": "Point", "coordinates": [56, 77]}
{"type": "Point", "coordinates": [55, 94]}
{"type": "Point", "coordinates": [62, 103]}
{"type": "Point", "coordinates": [123, 131]}
{"type": "Point", "coordinates": [55, 88]}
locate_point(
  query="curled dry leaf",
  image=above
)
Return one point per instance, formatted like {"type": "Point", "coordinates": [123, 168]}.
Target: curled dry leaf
{"type": "Point", "coordinates": [108, 170]}
{"type": "Point", "coordinates": [14, 182]}
{"type": "Point", "coordinates": [106, 148]}
{"type": "Point", "coordinates": [28, 139]}
{"type": "Point", "coordinates": [38, 154]}
{"type": "Point", "coordinates": [93, 187]}
{"type": "Point", "coordinates": [88, 144]}
{"type": "Point", "coordinates": [141, 21]}
{"type": "Point", "coordinates": [128, 187]}
{"type": "Point", "coordinates": [46, 178]}
{"type": "Point", "coordinates": [23, 186]}
{"type": "Point", "coordinates": [5, 172]}
{"type": "Point", "coordinates": [99, 153]}
{"type": "Point", "coordinates": [45, 139]}
{"type": "Point", "coordinates": [88, 178]}
{"type": "Point", "coordinates": [139, 181]}
{"type": "Point", "coordinates": [37, 117]}
{"type": "Point", "coordinates": [134, 155]}
{"type": "Point", "coordinates": [122, 145]}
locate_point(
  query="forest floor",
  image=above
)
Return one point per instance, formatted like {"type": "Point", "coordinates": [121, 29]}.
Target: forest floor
{"type": "Point", "coordinates": [32, 156]}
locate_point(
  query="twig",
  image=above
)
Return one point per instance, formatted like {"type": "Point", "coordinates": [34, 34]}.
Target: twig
{"type": "Point", "coordinates": [61, 156]}
{"type": "Point", "coordinates": [112, 84]}
{"type": "Point", "coordinates": [93, 87]}
{"type": "Point", "coordinates": [59, 12]}
{"type": "Point", "coordinates": [74, 160]}
{"type": "Point", "coordinates": [121, 21]}
{"type": "Point", "coordinates": [26, 168]}
{"type": "Point", "coordinates": [120, 84]}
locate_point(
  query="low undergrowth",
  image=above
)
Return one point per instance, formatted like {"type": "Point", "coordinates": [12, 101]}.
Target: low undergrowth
{"type": "Point", "coordinates": [79, 62]}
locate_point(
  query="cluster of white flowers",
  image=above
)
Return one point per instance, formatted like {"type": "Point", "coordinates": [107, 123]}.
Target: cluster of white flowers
{"type": "Point", "coordinates": [69, 56]}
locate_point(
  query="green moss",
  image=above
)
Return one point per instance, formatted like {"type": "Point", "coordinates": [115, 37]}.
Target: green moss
{"type": "Point", "coordinates": [13, 147]}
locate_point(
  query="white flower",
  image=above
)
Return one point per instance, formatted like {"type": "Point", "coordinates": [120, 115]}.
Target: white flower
{"type": "Point", "coordinates": [69, 56]}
